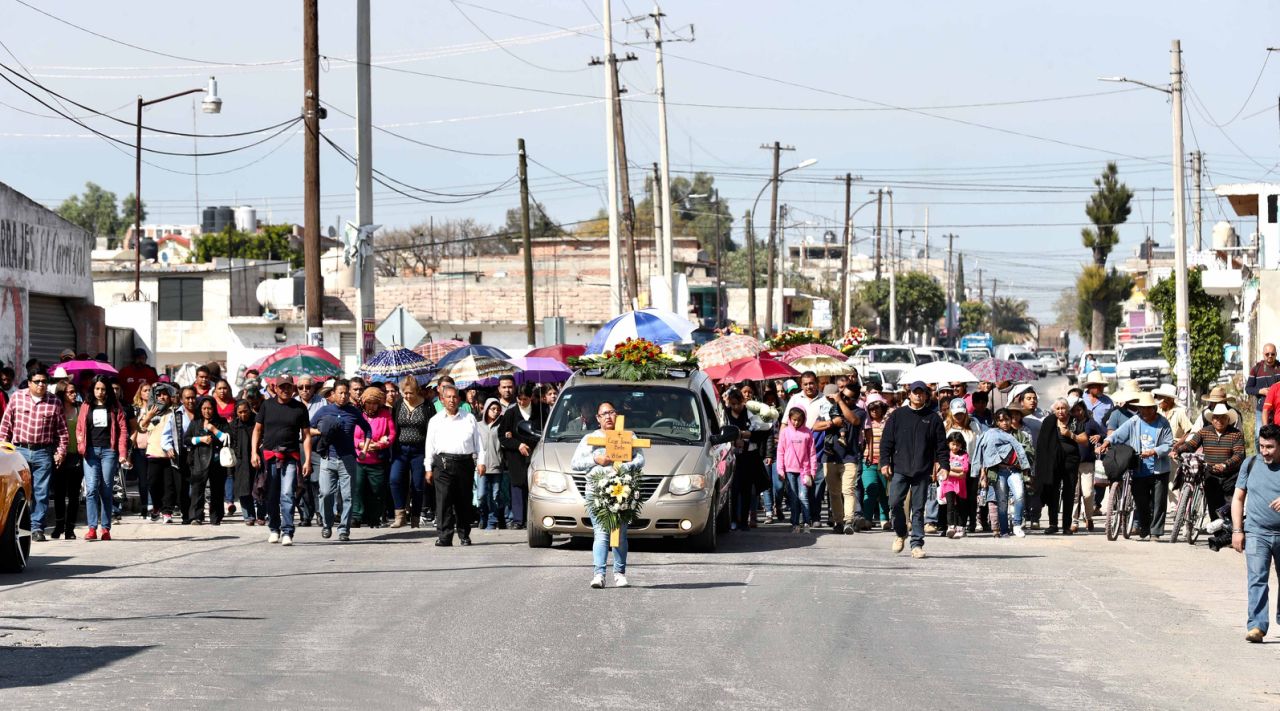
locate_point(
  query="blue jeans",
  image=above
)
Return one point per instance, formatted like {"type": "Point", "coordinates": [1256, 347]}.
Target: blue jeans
{"type": "Point", "coordinates": [228, 493]}
{"type": "Point", "coordinates": [490, 514]}
{"type": "Point", "coordinates": [1008, 482]}
{"type": "Point", "coordinates": [408, 475]}
{"type": "Point", "coordinates": [773, 494]}
{"type": "Point", "coordinates": [899, 486]}
{"type": "Point", "coordinates": [1260, 549]}
{"type": "Point", "coordinates": [41, 463]}
{"type": "Point", "coordinates": [99, 477]}
{"type": "Point", "coordinates": [818, 492]}
{"type": "Point", "coordinates": [281, 476]}
{"type": "Point", "coordinates": [798, 494]}
{"type": "Point", "coordinates": [600, 549]}
{"type": "Point", "coordinates": [931, 506]}
{"type": "Point", "coordinates": [335, 481]}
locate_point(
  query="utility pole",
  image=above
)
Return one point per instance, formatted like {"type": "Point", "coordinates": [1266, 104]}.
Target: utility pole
{"type": "Point", "coordinates": [951, 288]}
{"type": "Point", "coordinates": [981, 296]}
{"type": "Point", "coordinates": [893, 276]}
{"type": "Point", "coordinates": [777, 149]}
{"type": "Point", "coordinates": [781, 251]}
{"type": "Point", "coordinates": [719, 264]}
{"type": "Point", "coordinates": [527, 240]}
{"type": "Point", "coordinates": [610, 91]}
{"type": "Point", "coordinates": [926, 240]}
{"type": "Point", "coordinates": [751, 275]}
{"type": "Point", "coordinates": [1197, 174]}
{"type": "Point", "coordinates": [995, 284]}
{"type": "Point", "coordinates": [879, 213]}
{"type": "Point", "coordinates": [313, 281]}
{"type": "Point", "coordinates": [657, 214]}
{"type": "Point", "coordinates": [366, 259]}
{"type": "Point", "coordinates": [668, 244]}
{"type": "Point", "coordinates": [1182, 365]}
{"type": "Point", "coordinates": [848, 247]}
{"type": "Point", "coordinates": [624, 181]}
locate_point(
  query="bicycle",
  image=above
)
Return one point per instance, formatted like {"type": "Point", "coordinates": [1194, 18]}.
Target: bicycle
{"type": "Point", "coordinates": [1120, 507]}
{"type": "Point", "coordinates": [1191, 508]}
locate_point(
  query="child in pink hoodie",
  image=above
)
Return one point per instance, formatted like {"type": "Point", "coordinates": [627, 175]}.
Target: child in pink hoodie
{"type": "Point", "coordinates": [797, 463]}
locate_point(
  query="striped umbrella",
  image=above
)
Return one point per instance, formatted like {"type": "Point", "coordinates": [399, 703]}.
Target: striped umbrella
{"type": "Point", "coordinates": [727, 349]}
{"type": "Point", "coordinates": [395, 363]}
{"type": "Point", "coordinates": [812, 349]}
{"type": "Point", "coordinates": [479, 370]}
{"type": "Point", "coordinates": [435, 350]}
{"type": "Point", "coordinates": [999, 371]}
{"type": "Point", "coordinates": [823, 365]}
{"type": "Point", "coordinates": [290, 351]}
{"type": "Point", "coordinates": [477, 350]}
{"type": "Point", "coordinates": [653, 325]}
{"type": "Point", "coordinates": [301, 365]}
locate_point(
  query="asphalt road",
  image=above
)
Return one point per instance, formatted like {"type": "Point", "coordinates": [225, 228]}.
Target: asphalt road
{"type": "Point", "coordinates": [180, 617]}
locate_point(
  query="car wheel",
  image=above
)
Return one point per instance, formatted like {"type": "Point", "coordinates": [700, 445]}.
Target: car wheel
{"type": "Point", "coordinates": [538, 537]}
{"type": "Point", "coordinates": [723, 519]}
{"type": "Point", "coordinates": [15, 543]}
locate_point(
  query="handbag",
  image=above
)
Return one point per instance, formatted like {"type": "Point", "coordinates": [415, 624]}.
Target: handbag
{"type": "Point", "coordinates": [1100, 474]}
{"type": "Point", "coordinates": [227, 457]}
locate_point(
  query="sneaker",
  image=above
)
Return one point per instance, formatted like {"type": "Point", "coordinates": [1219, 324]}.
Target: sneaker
{"type": "Point", "coordinates": [886, 526]}
{"type": "Point", "coordinates": [168, 518]}
{"type": "Point", "coordinates": [286, 540]}
{"type": "Point", "coordinates": [951, 532]}
{"type": "Point", "coordinates": [1017, 531]}
{"type": "Point", "coordinates": [930, 528]}
{"type": "Point", "coordinates": [231, 509]}
{"type": "Point", "coordinates": [959, 532]}
{"type": "Point", "coordinates": [795, 529]}
{"type": "Point", "coordinates": [344, 536]}
{"type": "Point", "coordinates": [732, 527]}
{"type": "Point", "coordinates": [155, 516]}
{"type": "Point", "coordinates": [917, 552]}
{"type": "Point", "coordinates": [91, 534]}
{"type": "Point", "coordinates": [1144, 538]}
{"type": "Point", "coordinates": [805, 528]}
{"type": "Point", "coordinates": [768, 520]}
{"type": "Point", "coordinates": [104, 534]}
{"type": "Point", "coordinates": [1255, 635]}
{"type": "Point", "coordinates": [848, 529]}
{"type": "Point", "coordinates": [620, 581]}
{"type": "Point", "coordinates": [273, 538]}
{"type": "Point", "coordinates": [899, 544]}
{"type": "Point", "coordinates": [326, 532]}
{"type": "Point", "coordinates": [597, 581]}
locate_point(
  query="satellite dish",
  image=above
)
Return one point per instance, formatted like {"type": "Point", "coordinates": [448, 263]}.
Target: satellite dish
{"type": "Point", "coordinates": [164, 258]}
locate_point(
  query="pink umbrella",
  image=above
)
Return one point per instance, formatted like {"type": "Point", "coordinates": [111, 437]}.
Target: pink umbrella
{"type": "Point", "coordinates": [728, 349]}
{"type": "Point", "coordinates": [759, 369]}
{"type": "Point", "coordinates": [73, 367]}
{"type": "Point", "coordinates": [561, 352]}
{"type": "Point", "coordinates": [812, 349]}
{"type": "Point", "coordinates": [716, 372]}
{"type": "Point", "coordinates": [997, 371]}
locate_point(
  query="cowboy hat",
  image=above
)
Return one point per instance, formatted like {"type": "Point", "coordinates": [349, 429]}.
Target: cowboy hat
{"type": "Point", "coordinates": [1144, 400]}
{"type": "Point", "coordinates": [1095, 378]}
{"type": "Point", "coordinates": [1166, 391]}
{"type": "Point", "coordinates": [1216, 395]}
{"type": "Point", "coordinates": [1222, 409]}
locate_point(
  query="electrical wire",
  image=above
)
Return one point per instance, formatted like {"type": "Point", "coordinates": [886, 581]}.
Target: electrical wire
{"type": "Point", "coordinates": [153, 51]}
{"type": "Point", "coordinates": [418, 142]}
{"type": "Point", "coordinates": [475, 82]}
{"type": "Point", "coordinates": [508, 52]}
{"type": "Point", "coordinates": [379, 178]}
{"type": "Point", "coordinates": [1248, 98]}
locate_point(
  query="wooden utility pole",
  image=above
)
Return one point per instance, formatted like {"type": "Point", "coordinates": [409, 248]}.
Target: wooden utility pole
{"type": "Point", "coordinates": [848, 247]}
{"type": "Point", "coordinates": [624, 183]}
{"type": "Point", "coordinates": [313, 281]}
{"type": "Point", "coordinates": [1197, 174]}
{"type": "Point", "coordinates": [879, 218]}
{"type": "Point", "coordinates": [527, 239]}
{"type": "Point", "coordinates": [981, 296]}
{"type": "Point", "coordinates": [952, 297]}
{"type": "Point", "coordinates": [751, 275]}
{"type": "Point", "coordinates": [777, 149]}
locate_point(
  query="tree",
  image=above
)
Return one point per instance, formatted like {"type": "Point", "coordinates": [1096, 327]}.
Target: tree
{"type": "Point", "coordinates": [973, 314]}
{"type": "Point", "coordinates": [273, 242]}
{"type": "Point", "coordinates": [921, 301]}
{"type": "Point", "coordinates": [960, 294]}
{"type": "Point", "coordinates": [421, 247]}
{"type": "Point", "coordinates": [1205, 326]}
{"type": "Point", "coordinates": [126, 212]}
{"type": "Point", "coordinates": [95, 210]}
{"type": "Point", "coordinates": [1010, 322]}
{"type": "Point", "coordinates": [541, 226]}
{"type": "Point", "coordinates": [1101, 291]}
{"type": "Point", "coordinates": [735, 265]}
{"type": "Point", "coordinates": [1067, 308]}
{"type": "Point", "coordinates": [1107, 209]}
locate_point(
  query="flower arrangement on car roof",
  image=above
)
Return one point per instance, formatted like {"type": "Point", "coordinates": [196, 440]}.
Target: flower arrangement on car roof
{"type": "Point", "coordinates": [852, 340]}
{"type": "Point", "coordinates": [786, 340]}
{"type": "Point", "coordinates": [635, 359]}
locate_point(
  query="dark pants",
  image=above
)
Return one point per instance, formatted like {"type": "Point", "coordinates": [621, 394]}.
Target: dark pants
{"type": "Point", "coordinates": [454, 481]}
{"type": "Point", "coordinates": [177, 488]}
{"type": "Point", "coordinates": [955, 517]}
{"type": "Point", "coordinates": [899, 485]}
{"type": "Point", "coordinates": [215, 478]}
{"type": "Point", "coordinates": [519, 496]}
{"type": "Point", "coordinates": [66, 492]}
{"type": "Point", "coordinates": [143, 472]}
{"type": "Point", "coordinates": [1143, 492]}
{"type": "Point", "coordinates": [743, 490]}
{"type": "Point", "coordinates": [307, 499]}
{"type": "Point", "coordinates": [970, 515]}
{"type": "Point", "coordinates": [155, 482]}
{"type": "Point", "coordinates": [366, 493]}
{"type": "Point", "coordinates": [1159, 504]}
{"type": "Point", "coordinates": [407, 483]}
{"type": "Point", "coordinates": [1217, 493]}
{"type": "Point", "coordinates": [1059, 494]}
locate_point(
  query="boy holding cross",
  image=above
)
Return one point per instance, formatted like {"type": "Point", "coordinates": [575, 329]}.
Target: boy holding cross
{"type": "Point", "coordinates": [602, 448]}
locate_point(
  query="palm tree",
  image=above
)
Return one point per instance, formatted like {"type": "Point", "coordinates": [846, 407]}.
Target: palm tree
{"type": "Point", "coordinates": [1009, 319]}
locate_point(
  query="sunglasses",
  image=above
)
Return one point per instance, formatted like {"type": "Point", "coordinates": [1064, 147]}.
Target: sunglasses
{"type": "Point", "coordinates": [42, 381]}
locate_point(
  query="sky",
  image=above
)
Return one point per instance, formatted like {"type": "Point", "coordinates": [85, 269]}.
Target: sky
{"type": "Point", "coordinates": [990, 115]}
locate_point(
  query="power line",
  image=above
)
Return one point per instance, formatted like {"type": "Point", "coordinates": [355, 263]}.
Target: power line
{"type": "Point", "coordinates": [508, 52]}
{"type": "Point", "coordinates": [421, 143]}
{"type": "Point", "coordinates": [378, 177]}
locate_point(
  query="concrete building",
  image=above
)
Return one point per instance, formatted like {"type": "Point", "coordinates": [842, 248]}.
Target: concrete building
{"type": "Point", "coordinates": [1248, 269]}
{"type": "Point", "coordinates": [46, 292]}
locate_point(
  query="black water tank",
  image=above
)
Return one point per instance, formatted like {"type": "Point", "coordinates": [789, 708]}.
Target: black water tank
{"type": "Point", "coordinates": [150, 250]}
{"type": "Point", "coordinates": [207, 219]}
{"type": "Point", "coordinates": [224, 218]}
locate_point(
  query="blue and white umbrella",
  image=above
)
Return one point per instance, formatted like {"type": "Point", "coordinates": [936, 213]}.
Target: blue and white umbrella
{"type": "Point", "coordinates": [654, 325]}
{"type": "Point", "coordinates": [394, 364]}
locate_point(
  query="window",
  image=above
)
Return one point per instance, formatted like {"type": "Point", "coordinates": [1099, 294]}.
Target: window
{"type": "Point", "coordinates": [181, 299]}
{"type": "Point", "coordinates": [663, 414]}
{"type": "Point", "coordinates": [1271, 209]}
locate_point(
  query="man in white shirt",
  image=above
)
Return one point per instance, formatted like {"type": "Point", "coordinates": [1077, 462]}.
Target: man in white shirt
{"type": "Point", "coordinates": [454, 452]}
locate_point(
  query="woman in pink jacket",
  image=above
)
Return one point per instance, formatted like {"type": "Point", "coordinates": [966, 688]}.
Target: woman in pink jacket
{"type": "Point", "coordinates": [102, 439]}
{"type": "Point", "coordinates": [797, 463]}
{"type": "Point", "coordinates": [373, 454]}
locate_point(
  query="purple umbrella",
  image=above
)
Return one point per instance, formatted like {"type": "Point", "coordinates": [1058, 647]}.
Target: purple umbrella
{"type": "Point", "coordinates": [540, 370]}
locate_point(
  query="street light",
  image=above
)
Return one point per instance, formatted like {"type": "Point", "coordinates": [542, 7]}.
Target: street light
{"type": "Point", "coordinates": [848, 264]}
{"type": "Point", "coordinates": [751, 249]}
{"type": "Point", "coordinates": [1182, 364]}
{"type": "Point", "coordinates": [715, 200]}
{"type": "Point", "coordinates": [212, 104]}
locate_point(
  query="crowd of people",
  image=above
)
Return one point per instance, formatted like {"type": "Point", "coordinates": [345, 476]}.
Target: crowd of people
{"type": "Point", "coordinates": [337, 454]}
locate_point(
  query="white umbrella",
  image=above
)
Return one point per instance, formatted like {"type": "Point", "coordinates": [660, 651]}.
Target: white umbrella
{"type": "Point", "coordinates": [654, 325]}
{"type": "Point", "coordinates": [939, 371]}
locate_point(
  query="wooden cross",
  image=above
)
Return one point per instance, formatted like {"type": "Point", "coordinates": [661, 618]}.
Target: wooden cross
{"type": "Point", "coordinates": [618, 442]}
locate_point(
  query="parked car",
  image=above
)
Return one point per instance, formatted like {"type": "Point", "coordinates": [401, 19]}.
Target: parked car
{"type": "Point", "coordinates": [1106, 361]}
{"type": "Point", "coordinates": [889, 361]}
{"type": "Point", "coordinates": [1144, 363]}
{"type": "Point", "coordinates": [15, 510]}
{"type": "Point", "coordinates": [688, 467]}
{"type": "Point", "coordinates": [1050, 358]}
{"type": "Point", "coordinates": [1028, 360]}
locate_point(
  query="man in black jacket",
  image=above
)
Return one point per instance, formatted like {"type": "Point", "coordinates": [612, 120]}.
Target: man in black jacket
{"type": "Point", "coordinates": [913, 449]}
{"type": "Point", "coordinates": [518, 446]}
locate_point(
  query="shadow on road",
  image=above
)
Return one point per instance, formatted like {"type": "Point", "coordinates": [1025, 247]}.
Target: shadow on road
{"type": "Point", "coordinates": [43, 666]}
{"type": "Point", "coordinates": [41, 568]}
{"type": "Point", "coordinates": [693, 586]}
{"type": "Point", "coordinates": [189, 615]}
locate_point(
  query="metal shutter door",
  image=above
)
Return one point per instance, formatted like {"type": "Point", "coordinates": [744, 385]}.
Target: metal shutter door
{"type": "Point", "coordinates": [50, 328]}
